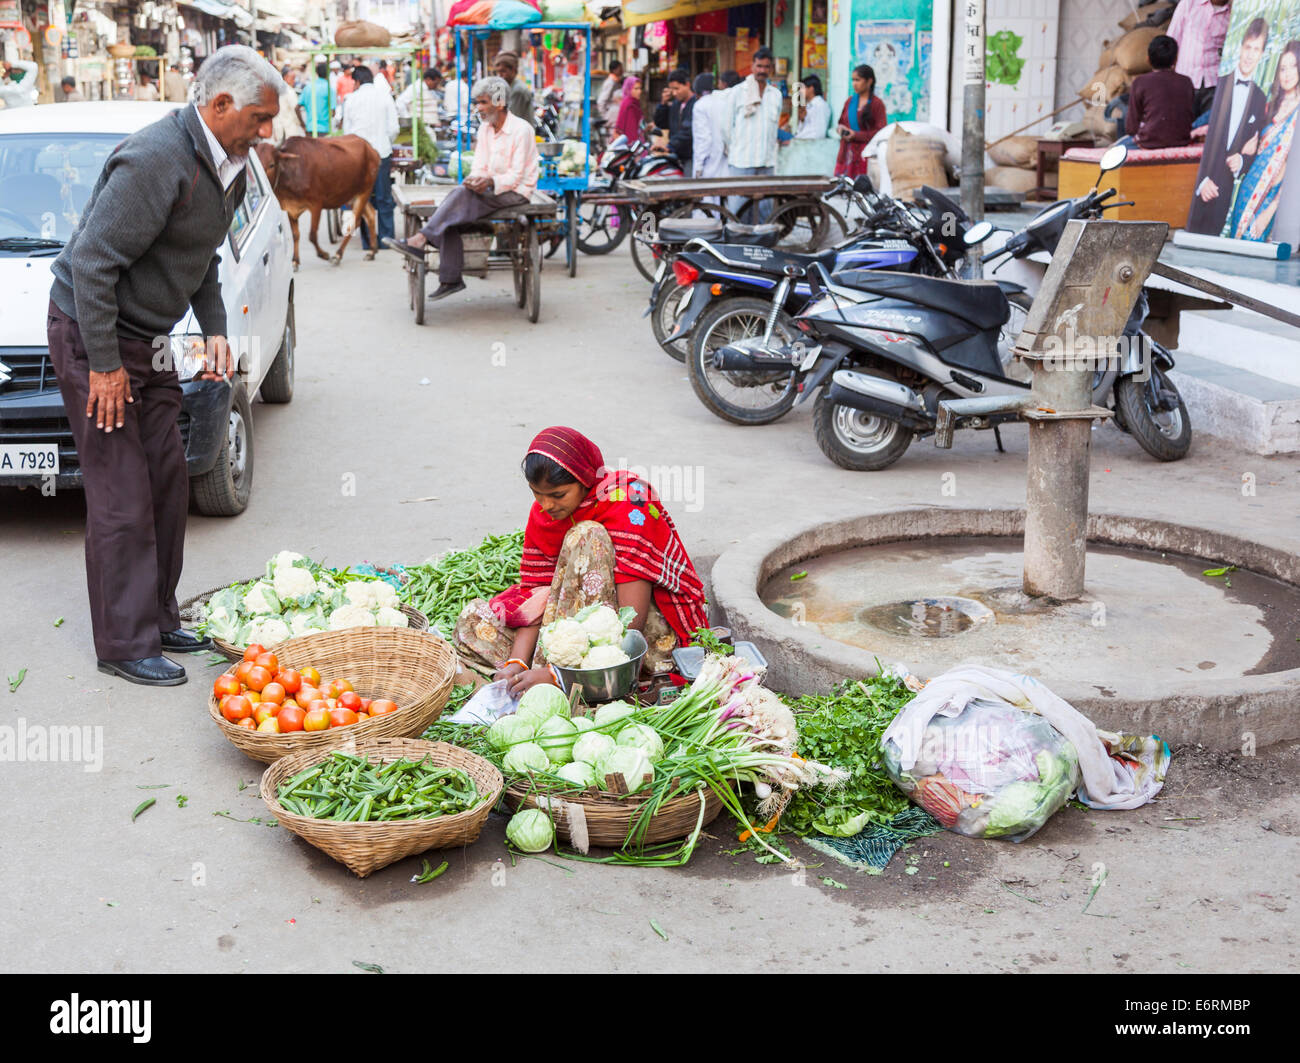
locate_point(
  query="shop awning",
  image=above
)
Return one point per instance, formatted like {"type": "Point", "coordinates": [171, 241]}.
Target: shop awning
{"type": "Point", "coordinates": [639, 12]}
{"type": "Point", "coordinates": [231, 12]}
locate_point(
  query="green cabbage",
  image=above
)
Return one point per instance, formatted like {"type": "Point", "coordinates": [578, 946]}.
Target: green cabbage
{"type": "Point", "coordinates": [509, 731]}
{"type": "Point", "coordinates": [612, 712]}
{"type": "Point", "coordinates": [578, 773]}
{"type": "Point", "coordinates": [583, 724]}
{"type": "Point", "coordinates": [541, 702]}
{"type": "Point", "coordinates": [629, 762]}
{"type": "Point", "coordinates": [592, 747]}
{"type": "Point", "coordinates": [526, 757]}
{"type": "Point", "coordinates": [530, 831]}
{"type": "Point", "coordinates": [557, 735]}
{"type": "Point", "coordinates": [644, 738]}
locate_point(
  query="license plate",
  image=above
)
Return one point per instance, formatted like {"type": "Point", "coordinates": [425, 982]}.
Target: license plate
{"type": "Point", "coordinates": [29, 459]}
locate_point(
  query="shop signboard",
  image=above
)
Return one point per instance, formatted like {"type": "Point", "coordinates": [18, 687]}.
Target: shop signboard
{"type": "Point", "coordinates": [1246, 187]}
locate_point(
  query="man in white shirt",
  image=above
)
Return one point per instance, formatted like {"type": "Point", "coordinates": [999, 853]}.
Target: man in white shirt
{"type": "Point", "coordinates": [370, 113]}
{"type": "Point", "coordinates": [708, 125]}
{"type": "Point", "coordinates": [755, 115]}
{"type": "Point", "coordinates": [423, 97]}
{"type": "Point", "coordinates": [18, 93]}
{"type": "Point", "coordinates": [611, 95]}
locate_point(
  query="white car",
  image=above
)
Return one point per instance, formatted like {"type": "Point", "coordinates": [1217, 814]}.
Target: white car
{"type": "Point", "coordinates": [50, 159]}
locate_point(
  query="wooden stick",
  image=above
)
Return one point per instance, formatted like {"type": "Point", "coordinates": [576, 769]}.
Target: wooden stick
{"type": "Point", "coordinates": [1030, 125]}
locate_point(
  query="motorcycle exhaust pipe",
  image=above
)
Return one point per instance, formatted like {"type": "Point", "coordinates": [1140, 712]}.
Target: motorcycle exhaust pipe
{"type": "Point", "coordinates": [741, 358]}
{"type": "Point", "coordinates": [888, 398]}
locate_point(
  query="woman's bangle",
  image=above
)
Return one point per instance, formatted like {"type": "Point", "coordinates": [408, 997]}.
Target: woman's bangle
{"type": "Point", "coordinates": [516, 660]}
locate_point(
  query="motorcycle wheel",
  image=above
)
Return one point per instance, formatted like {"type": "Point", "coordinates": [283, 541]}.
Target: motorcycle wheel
{"type": "Point", "coordinates": [602, 228]}
{"type": "Point", "coordinates": [1164, 434]}
{"type": "Point", "coordinates": [663, 320]}
{"type": "Point", "coordinates": [857, 440]}
{"type": "Point", "coordinates": [740, 397]}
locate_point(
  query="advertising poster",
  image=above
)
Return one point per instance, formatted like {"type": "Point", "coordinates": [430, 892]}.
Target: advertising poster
{"type": "Point", "coordinates": [888, 47]}
{"type": "Point", "coordinates": [1245, 188]}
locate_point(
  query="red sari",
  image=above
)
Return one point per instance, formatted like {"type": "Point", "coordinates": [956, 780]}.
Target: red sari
{"type": "Point", "coordinates": [871, 119]}
{"type": "Point", "coordinates": [646, 543]}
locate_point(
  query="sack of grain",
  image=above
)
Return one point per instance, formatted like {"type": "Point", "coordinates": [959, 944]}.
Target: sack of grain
{"type": "Point", "coordinates": [362, 34]}
{"type": "Point", "coordinates": [1131, 49]}
{"type": "Point", "coordinates": [1012, 179]}
{"type": "Point", "coordinates": [1094, 119]}
{"type": "Point", "coordinates": [1104, 86]}
{"type": "Point", "coordinates": [1107, 55]}
{"type": "Point", "coordinates": [1015, 151]}
{"type": "Point", "coordinates": [1162, 12]}
{"type": "Point", "coordinates": [914, 161]}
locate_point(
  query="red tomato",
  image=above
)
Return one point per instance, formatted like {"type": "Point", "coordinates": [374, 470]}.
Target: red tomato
{"type": "Point", "coordinates": [241, 673]}
{"type": "Point", "coordinates": [310, 676]}
{"type": "Point", "coordinates": [258, 678]}
{"type": "Point", "coordinates": [253, 696]}
{"type": "Point", "coordinates": [262, 713]}
{"type": "Point", "coordinates": [316, 720]}
{"type": "Point", "coordinates": [290, 719]}
{"type": "Point", "coordinates": [337, 687]}
{"type": "Point", "coordinates": [269, 726]}
{"type": "Point", "coordinates": [290, 679]}
{"type": "Point", "coordinates": [236, 707]}
{"type": "Point", "coordinates": [273, 692]}
{"type": "Point", "coordinates": [382, 707]}
{"type": "Point", "coordinates": [225, 684]}
{"type": "Point", "coordinates": [306, 695]}
{"type": "Point", "coordinates": [269, 661]}
{"type": "Point", "coordinates": [342, 717]}
{"type": "Point", "coordinates": [365, 705]}
{"type": "Point", "coordinates": [254, 651]}
{"type": "Point", "coordinates": [248, 723]}
{"type": "Point", "coordinates": [349, 699]}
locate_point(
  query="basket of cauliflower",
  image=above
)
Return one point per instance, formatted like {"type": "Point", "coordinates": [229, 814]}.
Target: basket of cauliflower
{"type": "Point", "coordinates": [295, 596]}
{"type": "Point", "coordinates": [595, 650]}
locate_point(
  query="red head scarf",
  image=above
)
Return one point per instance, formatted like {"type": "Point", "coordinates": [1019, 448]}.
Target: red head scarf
{"type": "Point", "coordinates": [630, 116]}
{"type": "Point", "coordinates": [646, 543]}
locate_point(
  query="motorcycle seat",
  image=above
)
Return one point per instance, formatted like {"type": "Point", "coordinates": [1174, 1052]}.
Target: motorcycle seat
{"type": "Point", "coordinates": [679, 230]}
{"type": "Point", "coordinates": [982, 303]}
{"type": "Point", "coordinates": [752, 235]}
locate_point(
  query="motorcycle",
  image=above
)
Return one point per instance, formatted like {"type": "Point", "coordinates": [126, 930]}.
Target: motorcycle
{"type": "Point", "coordinates": [735, 306]}
{"type": "Point", "coordinates": [602, 227]}
{"type": "Point", "coordinates": [893, 347]}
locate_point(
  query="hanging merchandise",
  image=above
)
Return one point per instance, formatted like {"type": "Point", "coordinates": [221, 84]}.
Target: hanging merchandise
{"type": "Point", "coordinates": [499, 14]}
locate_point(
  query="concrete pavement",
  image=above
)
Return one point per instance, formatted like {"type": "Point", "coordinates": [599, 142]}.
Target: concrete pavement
{"type": "Point", "coordinates": [341, 474]}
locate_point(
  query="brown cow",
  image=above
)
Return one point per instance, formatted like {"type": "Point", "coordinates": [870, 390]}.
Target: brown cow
{"type": "Point", "coordinates": [319, 173]}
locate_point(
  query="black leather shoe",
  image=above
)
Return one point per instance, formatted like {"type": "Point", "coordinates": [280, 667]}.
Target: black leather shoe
{"type": "Point", "coordinates": [445, 290]}
{"type": "Point", "coordinates": [150, 671]}
{"type": "Point", "coordinates": [183, 641]}
{"type": "Point", "coordinates": [416, 254]}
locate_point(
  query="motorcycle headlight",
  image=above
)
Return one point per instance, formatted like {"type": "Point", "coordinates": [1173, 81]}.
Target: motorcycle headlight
{"type": "Point", "coordinates": [187, 355]}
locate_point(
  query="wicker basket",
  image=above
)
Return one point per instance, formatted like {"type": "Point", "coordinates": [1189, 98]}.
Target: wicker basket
{"type": "Point", "coordinates": [414, 668]}
{"type": "Point", "coordinates": [192, 613]}
{"type": "Point", "coordinates": [366, 847]}
{"type": "Point", "coordinates": [610, 818]}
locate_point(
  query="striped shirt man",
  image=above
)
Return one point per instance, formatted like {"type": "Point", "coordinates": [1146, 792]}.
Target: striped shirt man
{"type": "Point", "coordinates": [752, 125]}
{"type": "Point", "coordinates": [1199, 27]}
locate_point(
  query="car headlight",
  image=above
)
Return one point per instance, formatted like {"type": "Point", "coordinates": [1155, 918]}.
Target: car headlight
{"type": "Point", "coordinates": [187, 355]}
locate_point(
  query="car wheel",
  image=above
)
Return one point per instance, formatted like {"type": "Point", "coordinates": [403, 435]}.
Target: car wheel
{"type": "Point", "coordinates": [277, 387]}
{"type": "Point", "coordinates": [223, 491]}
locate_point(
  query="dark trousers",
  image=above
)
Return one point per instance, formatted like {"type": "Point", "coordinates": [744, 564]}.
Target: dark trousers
{"type": "Point", "coordinates": [137, 493]}
{"type": "Point", "coordinates": [382, 198]}
{"type": "Point", "coordinates": [462, 207]}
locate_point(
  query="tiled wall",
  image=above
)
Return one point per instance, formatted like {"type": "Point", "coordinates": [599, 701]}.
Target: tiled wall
{"type": "Point", "coordinates": [1084, 25]}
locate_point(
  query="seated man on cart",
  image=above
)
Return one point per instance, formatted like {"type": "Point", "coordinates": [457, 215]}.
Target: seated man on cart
{"type": "Point", "coordinates": [504, 174]}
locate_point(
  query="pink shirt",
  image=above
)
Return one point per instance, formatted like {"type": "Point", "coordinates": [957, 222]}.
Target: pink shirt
{"type": "Point", "coordinates": [1199, 28]}
{"type": "Point", "coordinates": [509, 157]}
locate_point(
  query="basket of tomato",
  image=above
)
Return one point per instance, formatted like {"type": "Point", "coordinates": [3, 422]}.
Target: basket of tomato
{"type": "Point", "coordinates": [318, 691]}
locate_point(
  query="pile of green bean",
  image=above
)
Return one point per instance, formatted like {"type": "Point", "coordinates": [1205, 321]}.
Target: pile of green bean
{"type": "Point", "coordinates": [350, 789]}
{"type": "Point", "coordinates": [441, 589]}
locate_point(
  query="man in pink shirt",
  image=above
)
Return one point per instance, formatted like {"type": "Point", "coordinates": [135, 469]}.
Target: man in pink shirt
{"type": "Point", "coordinates": [1199, 27]}
{"type": "Point", "coordinates": [504, 174]}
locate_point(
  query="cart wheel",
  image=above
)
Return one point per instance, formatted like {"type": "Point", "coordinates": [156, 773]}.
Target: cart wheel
{"type": "Point", "coordinates": [807, 225]}
{"type": "Point", "coordinates": [418, 272]}
{"type": "Point", "coordinates": [571, 232]}
{"type": "Point", "coordinates": [641, 256]}
{"type": "Point", "coordinates": [519, 262]}
{"type": "Point", "coordinates": [533, 251]}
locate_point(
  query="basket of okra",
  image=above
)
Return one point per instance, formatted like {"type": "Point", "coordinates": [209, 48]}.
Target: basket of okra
{"type": "Point", "coordinates": [372, 803]}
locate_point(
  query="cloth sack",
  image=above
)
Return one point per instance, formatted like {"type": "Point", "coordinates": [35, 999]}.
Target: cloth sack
{"type": "Point", "coordinates": [1015, 151]}
{"type": "Point", "coordinates": [1012, 179]}
{"type": "Point", "coordinates": [1131, 49]}
{"type": "Point", "coordinates": [362, 34]}
{"type": "Point", "coordinates": [914, 161]}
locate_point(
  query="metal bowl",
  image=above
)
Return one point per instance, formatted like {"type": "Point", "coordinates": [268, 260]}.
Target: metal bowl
{"type": "Point", "coordinates": [607, 684]}
{"type": "Point", "coordinates": [550, 150]}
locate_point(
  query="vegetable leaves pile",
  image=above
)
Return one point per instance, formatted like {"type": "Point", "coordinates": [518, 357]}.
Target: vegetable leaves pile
{"type": "Point", "coordinates": [843, 729]}
{"type": "Point", "coordinates": [441, 589]}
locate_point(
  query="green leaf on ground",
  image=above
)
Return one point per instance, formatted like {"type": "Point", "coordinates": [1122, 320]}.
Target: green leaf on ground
{"type": "Point", "coordinates": [369, 968]}
{"type": "Point", "coordinates": [658, 929]}
{"type": "Point", "coordinates": [15, 681]}
{"type": "Point", "coordinates": [147, 803]}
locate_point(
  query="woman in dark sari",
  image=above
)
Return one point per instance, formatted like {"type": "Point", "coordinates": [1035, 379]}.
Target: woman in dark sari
{"type": "Point", "coordinates": [862, 118]}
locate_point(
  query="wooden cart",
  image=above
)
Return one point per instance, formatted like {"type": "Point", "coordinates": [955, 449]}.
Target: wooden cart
{"type": "Point", "coordinates": [507, 239]}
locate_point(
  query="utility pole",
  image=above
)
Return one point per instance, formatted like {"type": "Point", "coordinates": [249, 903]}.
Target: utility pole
{"type": "Point", "coordinates": [972, 124]}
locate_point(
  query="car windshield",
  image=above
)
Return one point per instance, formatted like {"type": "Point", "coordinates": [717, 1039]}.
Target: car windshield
{"type": "Point", "coordinates": [46, 180]}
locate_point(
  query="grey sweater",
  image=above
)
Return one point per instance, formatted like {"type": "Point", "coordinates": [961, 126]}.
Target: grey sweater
{"type": "Point", "coordinates": [145, 248]}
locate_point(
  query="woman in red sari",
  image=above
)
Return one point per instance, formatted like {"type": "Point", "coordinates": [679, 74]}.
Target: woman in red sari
{"type": "Point", "coordinates": [594, 535]}
{"type": "Point", "coordinates": [862, 118]}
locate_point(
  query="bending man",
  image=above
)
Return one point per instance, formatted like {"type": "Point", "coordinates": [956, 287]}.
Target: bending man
{"type": "Point", "coordinates": [504, 175]}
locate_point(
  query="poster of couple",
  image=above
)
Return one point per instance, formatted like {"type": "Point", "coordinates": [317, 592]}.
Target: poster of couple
{"type": "Point", "coordinates": [1245, 188]}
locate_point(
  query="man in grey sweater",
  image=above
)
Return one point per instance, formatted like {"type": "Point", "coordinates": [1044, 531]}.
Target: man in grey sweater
{"type": "Point", "coordinates": [144, 251]}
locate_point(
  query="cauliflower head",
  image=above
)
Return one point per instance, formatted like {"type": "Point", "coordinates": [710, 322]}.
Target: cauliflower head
{"type": "Point", "coordinates": [604, 656]}
{"type": "Point", "coordinates": [603, 627]}
{"type": "Point", "coordinates": [565, 643]}
{"type": "Point", "coordinates": [357, 592]}
{"type": "Point", "coordinates": [284, 559]}
{"type": "Point", "coordinates": [307, 621]}
{"type": "Point", "coordinates": [351, 616]}
{"type": "Point", "coordinates": [383, 594]}
{"type": "Point", "coordinates": [386, 616]}
{"type": "Point", "coordinates": [291, 582]}
{"type": "Point", "coordinates": [261, 600]}
{"type": "Point", "coordinates": [269, 631]}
